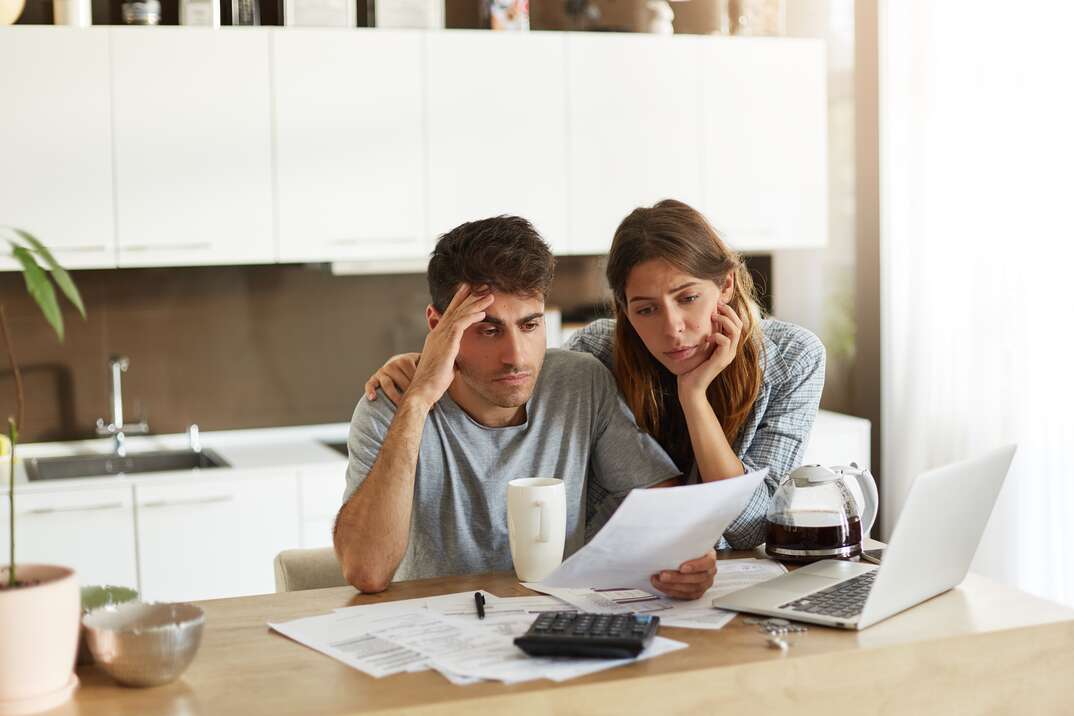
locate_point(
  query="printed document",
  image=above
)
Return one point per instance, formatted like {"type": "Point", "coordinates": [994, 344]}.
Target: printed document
{"type": "Point", "coordinates": [444, 633]}
{"type": "Point", "coordinates": [731, 575]}
{"type": "Point", "coordinates": [655, 530]}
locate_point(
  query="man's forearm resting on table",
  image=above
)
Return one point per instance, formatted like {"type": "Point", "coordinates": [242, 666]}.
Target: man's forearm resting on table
{"type": "Point", "coordinates": [373, 526]}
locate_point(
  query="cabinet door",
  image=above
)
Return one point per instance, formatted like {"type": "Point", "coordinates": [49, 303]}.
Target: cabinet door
{"type": "Point", "coordinates": [634, 129]}
{"type": "Point", "coordinates": [89, 530]}
{"type": "Point", "coordinates": [56, 142]}
{"type": "Point", "coordinates": [321, 495]}
{"type": "Point", "coordinates": [188, 546]}
{"type": "Point", "coordinates": [498, 129]}
{"type": "Point", "coordinates": [268, 524]}
{"type": "Point", "coordinates": [765, 148]}
{"type": "Point", "coordinates": [192, 146]}
{"type": "Point", "coordinates": [349, 145]}
{"type": "Point", "coordinates": [210, 538]}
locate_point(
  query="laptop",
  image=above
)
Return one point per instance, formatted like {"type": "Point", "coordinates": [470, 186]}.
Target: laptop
{"type": "Point", "coordinates": [930, 552]}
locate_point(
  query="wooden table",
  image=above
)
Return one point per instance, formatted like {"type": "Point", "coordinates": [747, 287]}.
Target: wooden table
{"type": "Point", "coordinates": [981, 647]}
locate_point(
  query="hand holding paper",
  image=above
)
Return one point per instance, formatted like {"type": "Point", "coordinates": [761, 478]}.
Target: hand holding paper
{"type": "Point", "coordinates": [692, 579]}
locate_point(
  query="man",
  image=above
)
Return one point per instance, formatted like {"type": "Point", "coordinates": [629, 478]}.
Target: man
{"type": "Point", "coordinates": [427, 479]}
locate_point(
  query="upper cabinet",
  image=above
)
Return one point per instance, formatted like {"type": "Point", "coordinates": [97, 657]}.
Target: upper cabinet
{"type": "Point", "coordinates": [634, 129]}
{"type": "Point", "coordinates": [765, 142]}
{"type": "Point", "coordinates": [497, 119]}
{"type": "Point", "coordinates": [56, 142]}
{"type": "Point", "coordinates": [193, 151]}
{"type": "Point", "coordinates": [350, 159]}
{"type": "Point", "coordinates": [163, 146]}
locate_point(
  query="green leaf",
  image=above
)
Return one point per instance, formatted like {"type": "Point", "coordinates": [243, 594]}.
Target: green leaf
{"type": "Point", "coordinates": [39, 286]}
{"type": "Point", "coordinates": [59, 275]}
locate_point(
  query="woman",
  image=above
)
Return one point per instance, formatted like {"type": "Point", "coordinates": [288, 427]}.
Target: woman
{"type": "Point", "coordinates": [721, 389]}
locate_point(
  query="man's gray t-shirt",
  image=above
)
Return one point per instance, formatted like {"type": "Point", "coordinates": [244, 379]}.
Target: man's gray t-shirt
{"type": "Point", "coordinates": [577, 429]}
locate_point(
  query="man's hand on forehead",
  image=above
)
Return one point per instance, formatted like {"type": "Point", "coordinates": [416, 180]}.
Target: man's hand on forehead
{"type": "Point", "coordinates": [436, 370]}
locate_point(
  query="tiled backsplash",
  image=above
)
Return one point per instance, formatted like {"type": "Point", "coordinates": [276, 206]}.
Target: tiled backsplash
{"type": "Point", "coordinates": [224, 347]}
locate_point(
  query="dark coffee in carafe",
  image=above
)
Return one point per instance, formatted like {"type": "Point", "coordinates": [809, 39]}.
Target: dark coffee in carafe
{"type": "Point", "coordinates": [809, 536]}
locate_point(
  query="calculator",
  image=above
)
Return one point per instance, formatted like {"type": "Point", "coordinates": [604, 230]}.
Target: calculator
{"type": "Point", "coordinates": [595, 635]}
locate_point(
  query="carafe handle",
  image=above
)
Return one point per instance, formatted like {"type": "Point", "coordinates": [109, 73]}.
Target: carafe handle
{"type": "Point", "coordinates": [867, 483]}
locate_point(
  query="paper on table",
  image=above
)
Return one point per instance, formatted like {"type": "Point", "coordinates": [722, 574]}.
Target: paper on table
{"type": "Point", "coordinates": [735, 574]}
{"type": "Point", "coordinates": [563, 668]}
{"type": "Point", "coordinates": [732, 574]}
{"type": "Point", "coordinates": [608, 601]}
{"type": "Point", "coordinates": [348, 639]}
{"type": "Point", "coordinates": [510, 616]}
{"type": "Point", "coordinates": [654, 530]}
{"type": "Point", "coordinates": [380, 642]}
{"type": "Point", "coordinates": [476, 652]}
{"type": "Point", "coordinates": [458, 601]}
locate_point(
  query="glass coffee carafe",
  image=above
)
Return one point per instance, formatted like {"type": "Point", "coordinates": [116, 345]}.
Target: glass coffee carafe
{"type": "Point", "coordinates": [821, 513]}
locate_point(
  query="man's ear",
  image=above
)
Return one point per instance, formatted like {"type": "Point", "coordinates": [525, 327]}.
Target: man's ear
{"type": "Point", "coordinates": [432, 316]}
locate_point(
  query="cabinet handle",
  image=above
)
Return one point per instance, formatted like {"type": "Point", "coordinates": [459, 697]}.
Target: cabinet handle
{"type": "Point", "coordinates": [79, 508]}
{"type": "Point", "coordinates": [79, 249]}
{"type": "Point", "coordinates": [193, 501]}
{"type": "Point", "coordinates": [199, 246]}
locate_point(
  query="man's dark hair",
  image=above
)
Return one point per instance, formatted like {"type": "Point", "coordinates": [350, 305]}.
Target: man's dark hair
{"type": "Point", "coordinates": [505, 253]}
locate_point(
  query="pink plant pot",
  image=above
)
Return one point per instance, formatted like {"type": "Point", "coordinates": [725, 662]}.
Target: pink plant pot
{"type": "Point", "coordinates": [38, 639]}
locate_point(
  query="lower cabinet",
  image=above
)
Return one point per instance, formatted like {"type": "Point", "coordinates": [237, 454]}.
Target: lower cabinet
{"type": "Point", "coordinates": [89, 529]}
{"type": "Point", "coordinates": [321, 495]}
{"type": "Point", "coordinates": [208, 538]}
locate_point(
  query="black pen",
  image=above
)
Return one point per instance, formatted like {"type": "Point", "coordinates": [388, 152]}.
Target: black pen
{"type": "Point", "coordinates": [479, 600]}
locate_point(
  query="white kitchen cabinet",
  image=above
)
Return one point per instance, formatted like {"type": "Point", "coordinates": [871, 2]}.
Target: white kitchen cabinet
{"type": "Point", "coordinates": [56, 142]}
{"type": "Point", "coordinates": [188, 546]}
{"type": "Point", "coordinates": [320, 497]}
{"type": "Point", "coordinates": [268, 524]}
{"type": "Point", "coordinates": [202, 538]}
{"type": "Point", "coordinates": [350, 157]}
{"type": "Point", "coordinates": [634, 129]}
{"type": "Point", "coordinates": [765, 142]}
{"type": "Point", "coordinates": [193, 153]}
{"type": "Point", "coordinates": [498, 129]}
{"type": "Point", "coordinates": [90, 529]}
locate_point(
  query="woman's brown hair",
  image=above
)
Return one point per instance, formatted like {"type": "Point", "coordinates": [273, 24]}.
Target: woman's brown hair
{"type": "Point", "coordinates": [680, 235]}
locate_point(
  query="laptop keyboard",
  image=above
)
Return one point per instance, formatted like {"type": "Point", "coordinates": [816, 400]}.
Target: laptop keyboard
{"type": "Point", "coordinates": [843, 600]}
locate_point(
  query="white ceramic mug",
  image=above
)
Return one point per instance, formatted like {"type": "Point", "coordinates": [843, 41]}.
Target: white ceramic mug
{"type": "Point", "coordinates": [536, 525]}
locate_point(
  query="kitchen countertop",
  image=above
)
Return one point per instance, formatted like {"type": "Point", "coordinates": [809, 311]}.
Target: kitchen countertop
{"type": "Point", "coordinates": [244, 450]}
{"type": "Point", "coordinates": [256, 449]}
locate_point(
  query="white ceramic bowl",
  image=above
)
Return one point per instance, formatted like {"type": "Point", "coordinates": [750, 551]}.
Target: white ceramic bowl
{"type": "Point", "coordinates": [144, 644]}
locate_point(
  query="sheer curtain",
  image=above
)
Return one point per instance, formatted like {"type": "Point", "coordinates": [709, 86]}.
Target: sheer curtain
{"type": "Point", "coordinates": [977, 265]}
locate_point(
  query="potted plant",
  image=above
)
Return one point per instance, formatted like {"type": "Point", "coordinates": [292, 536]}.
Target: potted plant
{"type": "Point", "coordinates": [39, 603]}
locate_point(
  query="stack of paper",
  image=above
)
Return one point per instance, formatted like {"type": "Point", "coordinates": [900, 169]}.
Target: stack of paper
{"type": "Point", "coordinates": [731, 575]}
{"type": "Point", "coordinates": [444, 633]}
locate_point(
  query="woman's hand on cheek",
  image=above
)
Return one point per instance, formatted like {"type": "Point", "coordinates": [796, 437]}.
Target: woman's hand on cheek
{"type": "Point", "coordinates": [722, 347]}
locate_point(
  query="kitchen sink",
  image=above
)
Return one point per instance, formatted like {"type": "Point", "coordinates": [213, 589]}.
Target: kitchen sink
{"type": "Point", "coordinates": [58, 468]}
{"type": "Point", "coordinates": [340, 447]}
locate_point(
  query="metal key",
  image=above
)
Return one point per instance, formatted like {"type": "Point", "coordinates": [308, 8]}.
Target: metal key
{"type": "Point", "coordinates": [778, 642]}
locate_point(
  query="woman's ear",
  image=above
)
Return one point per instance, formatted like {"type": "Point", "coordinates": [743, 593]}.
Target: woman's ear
{"type": "Point", "coordinates": [728, 288]}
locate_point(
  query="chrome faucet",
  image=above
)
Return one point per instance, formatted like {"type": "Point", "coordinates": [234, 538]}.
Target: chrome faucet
{"type": "Point", "coordinates": [117, 429]}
